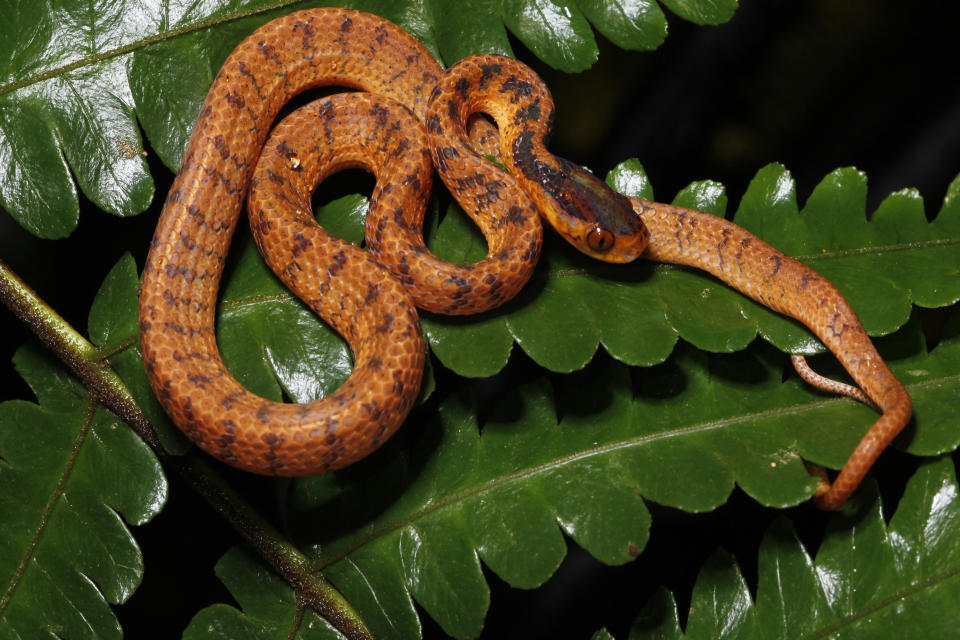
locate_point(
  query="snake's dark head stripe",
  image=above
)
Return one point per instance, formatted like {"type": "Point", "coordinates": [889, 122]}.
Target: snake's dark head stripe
{"type": "Point", "coordinates": [593, 217]}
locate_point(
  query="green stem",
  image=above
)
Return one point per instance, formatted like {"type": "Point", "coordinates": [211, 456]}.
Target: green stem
{"type": "Point", "coordinates": [81, 356]}
{"type": "Point", "coordinates": [88, 364]}
{"type": "Point", "coordinates": [309, 584]}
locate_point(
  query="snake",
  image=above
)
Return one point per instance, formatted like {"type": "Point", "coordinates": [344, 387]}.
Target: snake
{"type": "Point", "coordinates": [407, 118]}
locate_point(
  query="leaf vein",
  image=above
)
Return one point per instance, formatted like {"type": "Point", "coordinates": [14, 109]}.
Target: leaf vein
{"type": "Point", "coordinates": [58, 491]}
{"type": "Point", "coordinates": [140, 44]}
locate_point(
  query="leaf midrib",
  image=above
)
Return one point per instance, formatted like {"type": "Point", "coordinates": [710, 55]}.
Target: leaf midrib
{"type": "Point", "coordinates": [893, 598]}
{"type": "Point", "coordinates": [621, 444]}
{"type": "Point", "coordinates": [140, 44]}
{"type": "Point", "coordinates": [52, 501]}
{"type": "Point", "coordinates": [604, 268]}
{"type": "Point", "coordinates": [613, 269]}
{"type": "Point", "coordinates": [877, 249]}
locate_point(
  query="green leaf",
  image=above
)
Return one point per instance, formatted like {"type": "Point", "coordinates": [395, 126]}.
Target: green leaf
{"type": "Point", "coordinates": [703, 11]}
{"type": "Point", "coordinates": [555, 32]}
{"type": "Point", "coordinates": [474, 27]}
{"type": "Point", "coordinates": [169, 95]}
{"type": "Point", "coordinates": [79, 113]}
{"type": "Point", "coordinates": [658, 618]}
{"type": "Point", "coordinates": [36, 187]}
{"type": "Point", "coordinates": [113, 315]}
{"type": "Point", "coordinates": [719, 602]}
{"type": "Point", "coordinates": [869, 579]}
{"type": "Point", "coordinates": [629, 25]}
{"type": "Point", "coordinates": [78, 80]}
{"type": "Point", "coordinates": [269, 607]}
{"type": "Point", "coordinates": [69, 471]}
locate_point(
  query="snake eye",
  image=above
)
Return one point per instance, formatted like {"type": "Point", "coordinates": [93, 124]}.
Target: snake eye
{"type": "Point", "coordinates": [599, 239]}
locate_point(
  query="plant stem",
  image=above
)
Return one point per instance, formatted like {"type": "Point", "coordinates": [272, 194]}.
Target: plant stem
{"type": "Point", "coordinates": [85, 360]}
{"type": "Point", "coordinates": [81, 356]}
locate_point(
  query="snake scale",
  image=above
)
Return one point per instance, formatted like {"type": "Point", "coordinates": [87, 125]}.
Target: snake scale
{"type": "Point", "coordinates": [409, 117]}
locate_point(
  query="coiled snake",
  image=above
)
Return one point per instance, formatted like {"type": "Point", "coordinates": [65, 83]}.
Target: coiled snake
{"type": "Point", "coordinates": [412, 116]}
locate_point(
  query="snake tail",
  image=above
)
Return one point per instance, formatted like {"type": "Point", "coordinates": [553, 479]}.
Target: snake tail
{"type": "Point", "coordinates": [743, 261]}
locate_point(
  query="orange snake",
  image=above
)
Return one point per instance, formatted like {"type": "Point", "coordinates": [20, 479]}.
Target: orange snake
{"type": "Point", "coordinates": [353, 289]}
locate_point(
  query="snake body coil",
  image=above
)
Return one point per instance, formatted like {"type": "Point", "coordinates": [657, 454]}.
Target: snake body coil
{"type": "Point", "coordinates": [411, 117]}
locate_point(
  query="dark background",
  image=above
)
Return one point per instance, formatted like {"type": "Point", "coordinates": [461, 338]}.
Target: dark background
{"type": "Point", "coordinates": [813, 84]}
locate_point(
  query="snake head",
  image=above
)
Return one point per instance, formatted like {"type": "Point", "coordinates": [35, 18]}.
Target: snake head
{"type": "Point", "coordinates": [594, 218]}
